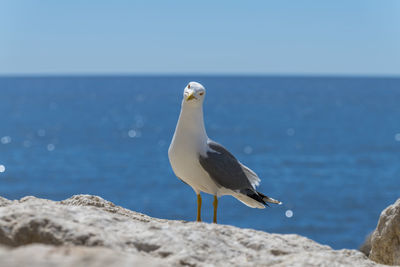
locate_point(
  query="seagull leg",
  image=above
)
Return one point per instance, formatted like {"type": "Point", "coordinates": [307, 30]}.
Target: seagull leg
{"type": "Point", "coordinates": [215, 204]}
{"type": "Point", "coordinates": [199, 207]}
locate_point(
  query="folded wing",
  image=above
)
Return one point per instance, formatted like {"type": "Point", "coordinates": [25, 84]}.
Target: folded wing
{"type": "Point", "coordinates": [226, 170]}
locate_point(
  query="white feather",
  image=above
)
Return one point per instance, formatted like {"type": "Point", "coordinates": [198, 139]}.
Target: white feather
{"type": "Point", "coordinates": [252, 176]}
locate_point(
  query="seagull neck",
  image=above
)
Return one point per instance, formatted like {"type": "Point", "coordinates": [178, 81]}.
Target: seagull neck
{"type": "Point", "coordinates": [191, 121]}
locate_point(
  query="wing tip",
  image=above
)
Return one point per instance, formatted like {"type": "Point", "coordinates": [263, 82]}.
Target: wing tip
{"type": "Point", "coordinates": [271, 200]}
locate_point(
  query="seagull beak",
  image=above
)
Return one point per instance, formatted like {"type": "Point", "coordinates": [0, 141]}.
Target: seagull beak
{"type": "Point", "coordinates": [190, 96]}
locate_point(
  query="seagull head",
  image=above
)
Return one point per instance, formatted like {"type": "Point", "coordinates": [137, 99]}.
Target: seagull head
{"type": "Point", "coordinates": [194, 93]}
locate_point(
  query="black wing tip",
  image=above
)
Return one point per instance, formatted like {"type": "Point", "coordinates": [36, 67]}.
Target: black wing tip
{"type": "Point", "coordinates": [260, 197]}
{"type": "Point", "coordinates": [254, 195]}
{"type": "Point", "coordinates": [269, 199]}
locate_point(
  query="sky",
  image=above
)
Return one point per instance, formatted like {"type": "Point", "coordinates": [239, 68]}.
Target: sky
{"type": "Point", "coordinates": [341, 37]}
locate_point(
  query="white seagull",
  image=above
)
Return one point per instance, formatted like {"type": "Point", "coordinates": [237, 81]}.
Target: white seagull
{"type": "Point", "coordinates": [205, 165]}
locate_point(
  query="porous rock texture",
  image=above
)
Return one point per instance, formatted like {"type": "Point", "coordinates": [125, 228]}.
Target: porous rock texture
{"type": "Point", "coordinates": [39, 255]}
{"type": "Point", "coordinates": [89, 231]}
{"type": "Point", "coordinates": [385, 240]}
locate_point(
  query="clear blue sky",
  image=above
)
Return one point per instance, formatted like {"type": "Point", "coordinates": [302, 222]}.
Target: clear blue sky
{"type": "Point", "coordinates": [359, 37]}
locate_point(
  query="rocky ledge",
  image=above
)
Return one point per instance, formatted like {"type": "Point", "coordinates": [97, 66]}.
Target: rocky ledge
{"type": "Point", "coordinates": [385, 240]}
{"type": "Point", "coordinates": [89, 231]}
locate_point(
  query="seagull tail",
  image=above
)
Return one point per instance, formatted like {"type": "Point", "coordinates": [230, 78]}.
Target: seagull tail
{"type": "Point", "coordinates": [268, 199]}
{"type": "Point", "coordinates": [254, 198]}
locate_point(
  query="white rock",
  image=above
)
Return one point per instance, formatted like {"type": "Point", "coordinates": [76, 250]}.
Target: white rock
{"type": "Point", "coordinates": [4, 202]}
{"type": "Point", "coordinates": [39, 255]}
{"type": "Point", "coordinates": [91, 221]}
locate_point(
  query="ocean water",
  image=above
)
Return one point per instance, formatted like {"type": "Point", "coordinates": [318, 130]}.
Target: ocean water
{"type": "Point", "coordinates": [329, 148]}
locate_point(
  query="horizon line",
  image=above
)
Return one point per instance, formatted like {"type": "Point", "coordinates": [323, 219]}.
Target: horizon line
{"type": "Point", "coordinates": [176, 74]}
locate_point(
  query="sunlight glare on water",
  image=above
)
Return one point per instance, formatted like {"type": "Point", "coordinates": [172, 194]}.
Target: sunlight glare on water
{"type": "Point", "coordinates": [50, 147]}
{"type": "Point", "coordinates": [290, 132]}
{"type": "Point", "coordinates": [132, 133]}
{"type": "Point", "coordinates": [248, 149]}
{"type": "Point", "coordinates": [41, 132]}
{"type": "Point", "coordinates": [289, 213]}
{"type": "Point", "coordinates": [27, 143]}
{"type": "Point", "coordinates": [5, 140]}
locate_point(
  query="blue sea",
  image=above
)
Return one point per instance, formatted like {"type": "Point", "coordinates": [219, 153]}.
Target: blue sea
{"type": "Point", "coordinates": [329, 148]}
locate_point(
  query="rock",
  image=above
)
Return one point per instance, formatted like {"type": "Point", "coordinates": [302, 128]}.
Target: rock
{"type": "Point", "coordinates": [385, 241]}
{"type": "Point", "coordinates": [38, 255]}
{"type": "Point", "coordinates": [90, 230]}
{"type": "Point", "coordinates": [4, 202]}
{"type": "Point", "coordinates": [366, 246]}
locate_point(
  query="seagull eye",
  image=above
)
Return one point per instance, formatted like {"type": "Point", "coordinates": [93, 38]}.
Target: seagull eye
{"type": "Point", "coordinates": [202, 93]}
{"type": "Point", "coordinates": [188, 86]}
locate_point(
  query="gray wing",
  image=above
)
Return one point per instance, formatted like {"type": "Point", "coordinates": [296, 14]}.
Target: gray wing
{"type": "Point", "coordinates": [224, 168]}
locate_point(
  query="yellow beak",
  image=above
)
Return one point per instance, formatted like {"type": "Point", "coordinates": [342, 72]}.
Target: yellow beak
{"type": "Point", "coordinates": [190, 96]}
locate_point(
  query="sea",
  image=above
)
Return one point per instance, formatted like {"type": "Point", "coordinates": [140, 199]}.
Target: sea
{"type": "Point", "coordinates": [327, 147]}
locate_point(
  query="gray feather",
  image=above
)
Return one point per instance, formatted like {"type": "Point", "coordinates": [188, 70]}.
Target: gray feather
{"type": "Point", "coordinates": [224, 168]}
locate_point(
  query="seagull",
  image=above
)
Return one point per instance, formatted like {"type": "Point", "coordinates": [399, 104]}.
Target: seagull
{"type": "Point", "coordinates": [205, 165]}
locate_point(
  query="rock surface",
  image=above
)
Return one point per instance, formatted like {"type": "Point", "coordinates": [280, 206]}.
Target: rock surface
{"type": "Point", "coordinates": [90, 231]}
{"type": "Point", "coordinates": [39, 255]}
{"type": "Point", "coordinates": [385, 240]}
{"type": "Point", "coordinates": [366, 246]}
